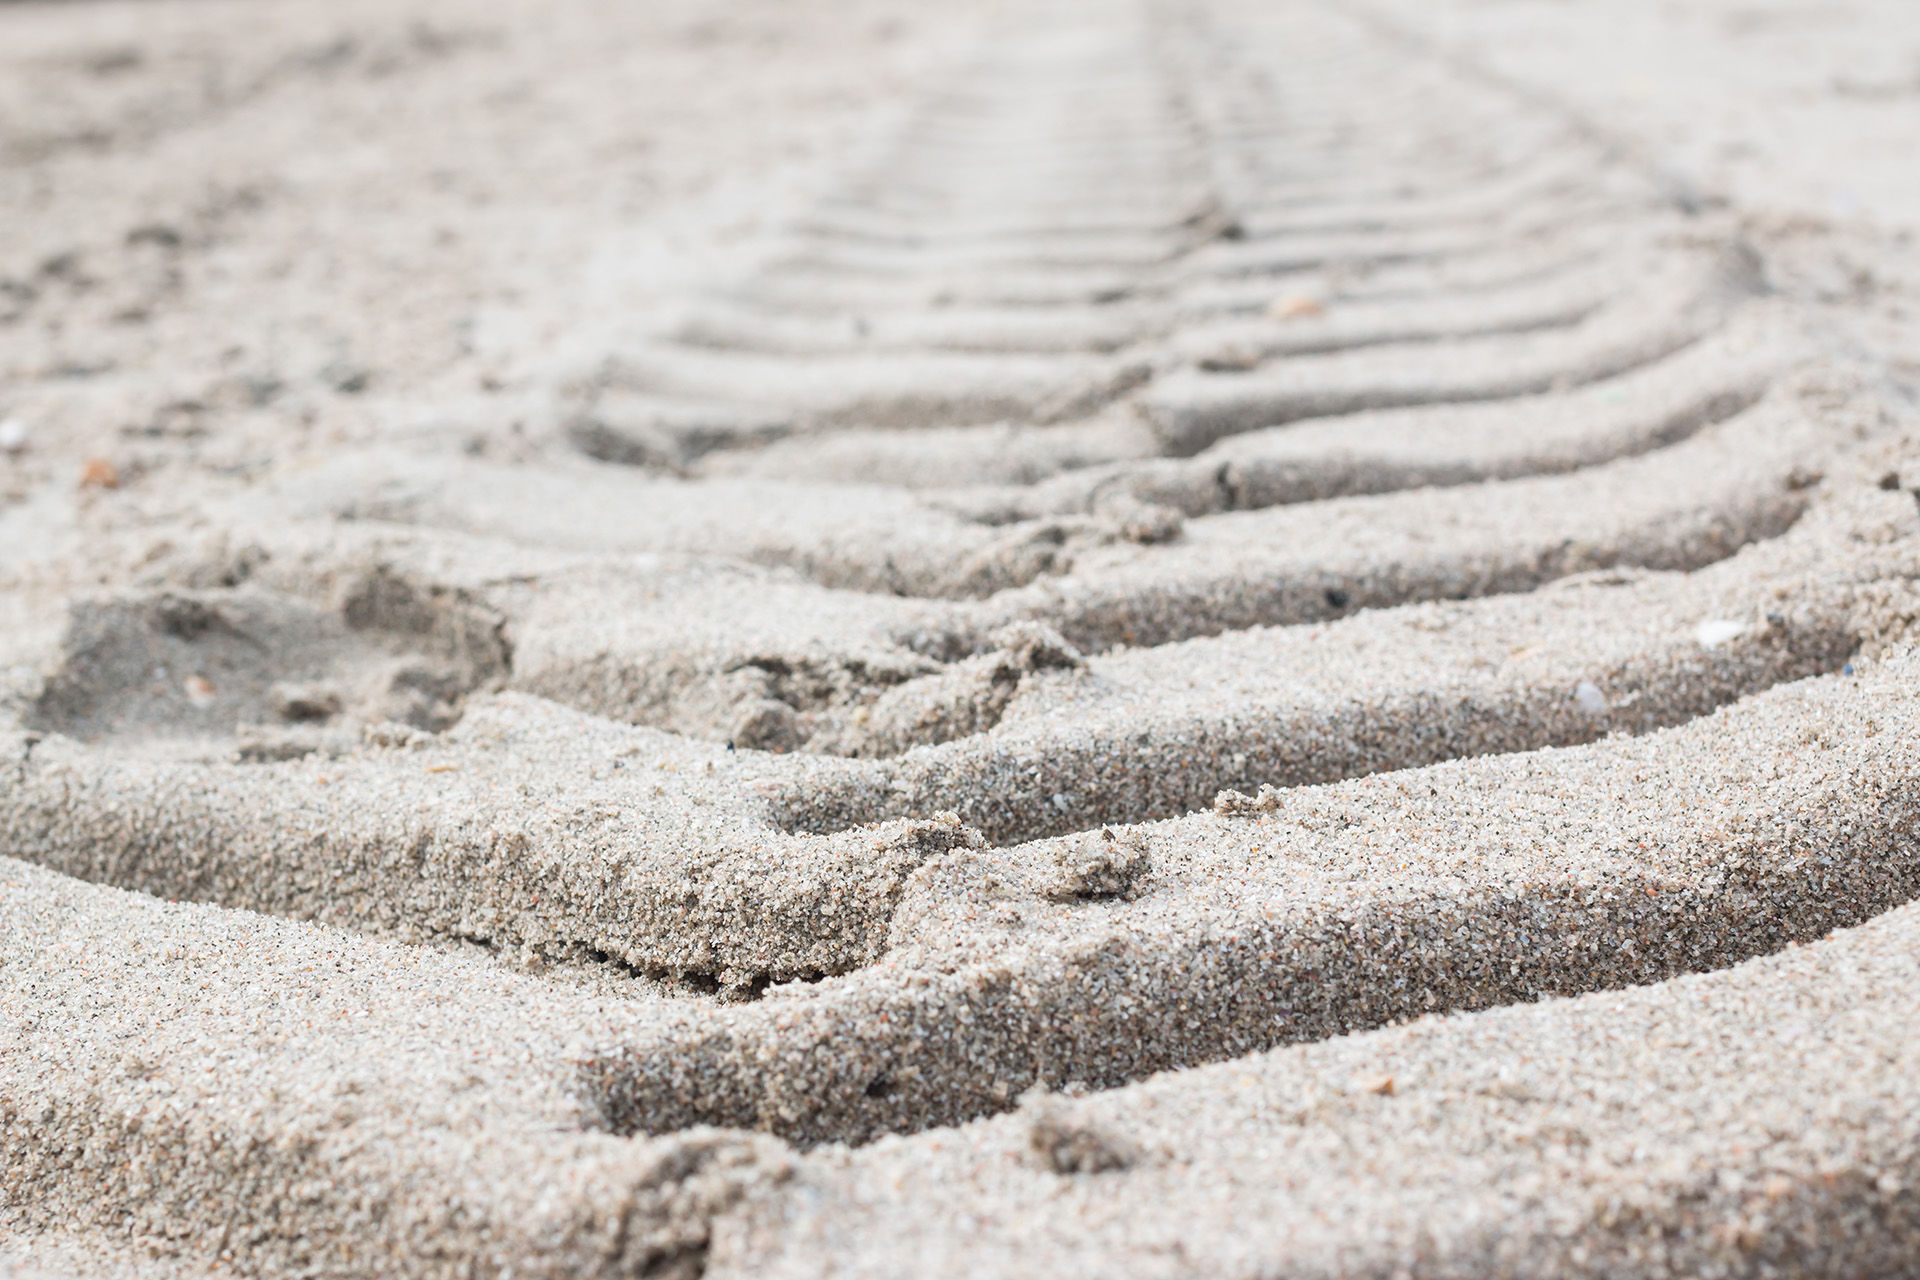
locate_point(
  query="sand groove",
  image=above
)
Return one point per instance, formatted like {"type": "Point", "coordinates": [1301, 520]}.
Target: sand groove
{"type": "Point", "coordinates": [1215, 530]}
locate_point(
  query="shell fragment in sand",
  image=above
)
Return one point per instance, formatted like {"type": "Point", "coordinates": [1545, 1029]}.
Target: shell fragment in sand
{"type": "Point", "coordinates": [1591, 700]}
{"type": "Point", "coordinates": [1717, 631]}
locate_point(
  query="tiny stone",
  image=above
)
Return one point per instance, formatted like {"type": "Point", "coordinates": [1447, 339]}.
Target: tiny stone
{"type": "Point", "coordinates": [1099, 864]}
{"type": "Point", "coordinates": [98, 473]}
{"type": "Point", "coordinates": [304, 701]}
{"type": "Point", "coordinates": [1294, 306]}
{"type": "Point", "coordinates": [1237, 804]}
{"type": "Point", "coordinates": [1067, 1145]}
{"type": "Point", "coordinates": [764, 724]}
{"type": "Point", "coordinates": [1035, 646]}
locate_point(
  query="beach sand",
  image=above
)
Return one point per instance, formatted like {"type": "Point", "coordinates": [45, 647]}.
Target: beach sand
{"type": "Point", "coordinates": [1094, 638]}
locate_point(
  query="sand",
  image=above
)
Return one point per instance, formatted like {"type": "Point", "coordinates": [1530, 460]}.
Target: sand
{"type": "Point", "coordinates": [1078, 639]}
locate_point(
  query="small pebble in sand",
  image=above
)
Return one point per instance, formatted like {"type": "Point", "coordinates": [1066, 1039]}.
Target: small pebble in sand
{"type": "Point", "coordinates": [1100, 864]}
{"type": "Point", "coordinates": [1066, 1144]}
{"type": "Point", "coordinates": [1238, 804]}
{"type": "Point", "coordinates": [1231, 359]}
{"type": "Point", "coordinates": [1148, 523]}
{"type": "Point", "coordinates": [391, 733]}
{"type": "Point", "coordinates": [13, 435]}
{"type": "Point", "coordinates": [304, 701]}
{"type": "Point", "coordinates": [1034, 646]}
{"type": "Point", "coordinates": [199, 690]}
{"type": "Point", "coordinates": [1294, 306]}
{"type": "Point", "coordinates": [1717, 631]}
{"type": "Point", "coordinates": [1591, 700]}
{"type": "Point", "coordinates": [98, 473]}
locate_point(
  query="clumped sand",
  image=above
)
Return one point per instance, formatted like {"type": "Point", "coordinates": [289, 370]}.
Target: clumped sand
{"type": "Point", "coordinates": [1093, 638]}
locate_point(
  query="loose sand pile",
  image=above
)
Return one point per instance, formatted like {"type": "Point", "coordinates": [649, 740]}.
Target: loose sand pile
{"type": "Point", "coordinates": [1098, 638]}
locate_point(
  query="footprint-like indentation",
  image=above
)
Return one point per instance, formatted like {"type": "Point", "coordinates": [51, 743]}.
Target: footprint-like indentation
{"type": "Point", "coordinates": [278, 674]}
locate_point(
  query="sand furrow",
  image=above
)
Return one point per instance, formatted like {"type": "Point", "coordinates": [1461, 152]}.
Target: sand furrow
{"type": "Point", "coordinates": [527, 826]}
{"type": "Point", "coordinates": [287, 1098]}
{"type": "Point", "coordinates": [1677, 508]}
{"type": "Point", "coordinates": [1534, 304]}
{"type": "Point", "coordinates": [1320, 911]}
{"type": "Point", "coordinates": [1191, 410]}
{"type": "Point", "coordinates": [1383, 451]}
{"type": "Point", "coordinates": [1126, 567]}
{"type": "Point", "coordinates": [1757, 1121]}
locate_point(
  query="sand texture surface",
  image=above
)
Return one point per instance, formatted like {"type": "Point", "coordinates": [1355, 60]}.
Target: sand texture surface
{"type": "Point", "coordinates": [1122, 638]}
